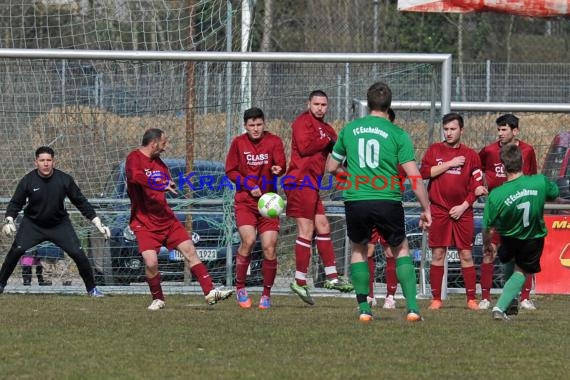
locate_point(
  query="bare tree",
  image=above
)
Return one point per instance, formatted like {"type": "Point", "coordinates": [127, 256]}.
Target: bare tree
{"type": "Point", "coordinates": [265, 68]}
{"type": "Point", "coordinates": [267, 26]}
{"type": "Point", "coordinates": [460, 58]}
{"type": "Point", "coordinates": [509, 44]}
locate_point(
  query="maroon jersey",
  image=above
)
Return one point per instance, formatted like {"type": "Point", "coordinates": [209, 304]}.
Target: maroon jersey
{"type": "Point", "coordinates": [149, 209]}
{"type": "Point", "coordinates": [493, 168]}
{"type": "Point", "coordinates": [456, 185]}
{"type": "Point", "coordinates": [309, 149]}
{"type": "Point", "coordinates": [248, 164]}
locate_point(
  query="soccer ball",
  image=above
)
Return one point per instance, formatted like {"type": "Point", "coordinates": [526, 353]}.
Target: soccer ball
{"type": "Point", "coordinates": [270, 205]}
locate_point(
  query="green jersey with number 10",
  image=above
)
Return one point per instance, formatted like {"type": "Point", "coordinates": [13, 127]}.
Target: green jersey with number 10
{"type": "Point", "coordinates": [373, 148]}
{"type": "Point", "coordinates": [516, 208]}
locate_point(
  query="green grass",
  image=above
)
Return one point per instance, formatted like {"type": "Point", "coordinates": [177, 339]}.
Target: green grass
{"type": "Point", "coordinates": [75, 337]}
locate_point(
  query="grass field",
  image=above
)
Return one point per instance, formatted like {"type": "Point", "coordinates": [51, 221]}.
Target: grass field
{"type": "Point", "coordinates": [75, 337]}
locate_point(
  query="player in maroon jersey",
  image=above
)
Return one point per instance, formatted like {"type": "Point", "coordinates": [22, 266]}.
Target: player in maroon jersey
{"type": "Point", "coordinates": [495, 175]}
{"type": "Point", "coordinates": [311, 143]}
{"type": "Point", "coordinates": [254, 161]}
{"type": "Point", "coordinates": [454, 171]}
{"type": "Point", "coordinates": [153, 221]}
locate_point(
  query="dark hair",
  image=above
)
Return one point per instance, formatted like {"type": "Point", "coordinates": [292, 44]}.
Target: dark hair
{"type": "Point", "coordinates": [379, 97]}
{"type": "Point", "coordinates": [508, 119]}
{"type": "Point", "coordinates": [511, 157]}
{"type": "Point", "coordinates": [253, 113]}
{"type": "Point", "coordinates": [151, 135]}
{"type": "Point", "coordinates": [391, 115]}
{"type": "Point", "coordinates": [317, 93]}
{"type": "Point", "coordinates": [44, 149]}
{"type": "Point", "coordinates": [447, 118]}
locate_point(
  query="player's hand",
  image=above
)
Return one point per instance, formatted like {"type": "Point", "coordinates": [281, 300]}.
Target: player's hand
{"type": "Point", "coordinates": [457, 161]}
{"type": "Point", "coordinates": [9, 227]}
{"type": "Point", "coordinates": [256, 193]}
{"type": "Point", "coordinates": [171, 187]}
{"type": "Point", "coordinates": [489, 250]}
{"type": "Point", "coordinates": [105, 231]}
{"type": "Point", "coordinates": [341, 174]}
{"type": "Point", "coordinates": [481, 190]}
{"type": "Point", "coordinates": [276, 169]}
{"type": "Point", "coordinates": [425, 220]}
{"type": "Point", "coordinates": [456, 211]}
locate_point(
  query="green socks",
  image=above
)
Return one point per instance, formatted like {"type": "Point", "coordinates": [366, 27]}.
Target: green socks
{"type": "Point", "coordinates": [511, 290]}
{"type": "Point", "coordinates": [360, 280]}
{"type": "Point", "coordinates": [407, 277]}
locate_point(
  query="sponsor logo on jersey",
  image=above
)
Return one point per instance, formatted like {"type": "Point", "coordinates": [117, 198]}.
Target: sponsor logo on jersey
{"type": "Point", "coordinates": [256, 159]}
{"type": "Point", "coordinates": [499, 171]}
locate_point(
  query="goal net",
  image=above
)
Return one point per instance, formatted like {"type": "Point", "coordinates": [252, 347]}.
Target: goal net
{"type": "Point", "coordinates": [117, 25]}
{"type": "Point", "coordinates": [93, 112]}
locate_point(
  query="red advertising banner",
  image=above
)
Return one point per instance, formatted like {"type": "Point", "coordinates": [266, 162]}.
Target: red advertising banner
{"type": "Point", "coordinates": [555, 262]}
{"type": "Point", "coordinates": [535, 8]}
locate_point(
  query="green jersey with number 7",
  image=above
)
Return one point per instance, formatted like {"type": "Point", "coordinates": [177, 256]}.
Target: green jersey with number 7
{"type": "Point", "coordinates": [516, 208]}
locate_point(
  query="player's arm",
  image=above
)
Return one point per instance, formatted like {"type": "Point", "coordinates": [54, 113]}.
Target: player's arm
{"type": "Point", "coordinates": [438, 170]}
{"type": "Point", "coordinates": [533, 167]}
{"type": "Point", "coordinates": [552, 190]}
{"type": "Point", "coordinates": [413, 174]}
{"type": "Point", "coordinates": [232, 163]}
{"type": "Point", "coordinates": [457, 211]}
{"type": "Point", "coordinates": [335, 160]}
{"type": "Point", "coordinates": [476, 181]}
{"type": "Point", "coordinates": [135, 174]}
{"type": "Point", "coordinates": [279, 160]}
{"type": "Point", "coordinates": [76, 197]}
{"type": "Point", "coordinates": [489, 215]}
{"type": "Point", "coordinates": [18, 200]}
{"type": "Point", "coordinates": [233, 169]}
{"type": "Point", "coordinates": [308, 139]}
{"type": "Point", "coordinates": [14, 207]}
{"type": "Point", "coordinates": [333, 165]}
{"type": "Point", "coordinates": [483, 158]}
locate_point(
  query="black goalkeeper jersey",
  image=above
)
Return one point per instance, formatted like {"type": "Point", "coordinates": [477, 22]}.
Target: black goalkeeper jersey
{"type": "Point", "coordinates": [44, 198]}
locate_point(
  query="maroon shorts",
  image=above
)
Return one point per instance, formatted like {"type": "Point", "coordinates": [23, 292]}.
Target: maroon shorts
{"type": "Point", "coordinates": [304, 203]}
{"type": "Point", "coordinates": [170, 237]}
{"type": "Point", "coordinates": [447, 232]}
{"type": "Point", "coordinates": [247, 214]}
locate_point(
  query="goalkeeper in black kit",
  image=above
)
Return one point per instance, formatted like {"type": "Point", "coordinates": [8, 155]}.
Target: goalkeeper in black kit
{"type": "Point", "coordinates": [43, 191]}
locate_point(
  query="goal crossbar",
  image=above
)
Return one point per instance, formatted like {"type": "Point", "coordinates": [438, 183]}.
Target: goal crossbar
{"type": "Point", "coordinates": [445, 60]}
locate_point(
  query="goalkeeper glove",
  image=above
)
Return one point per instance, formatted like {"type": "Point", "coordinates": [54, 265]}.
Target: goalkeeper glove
{"type": "Point", "coordinates": [101, 227]}
{"type": "Point", "coordinates": [9, 227]}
